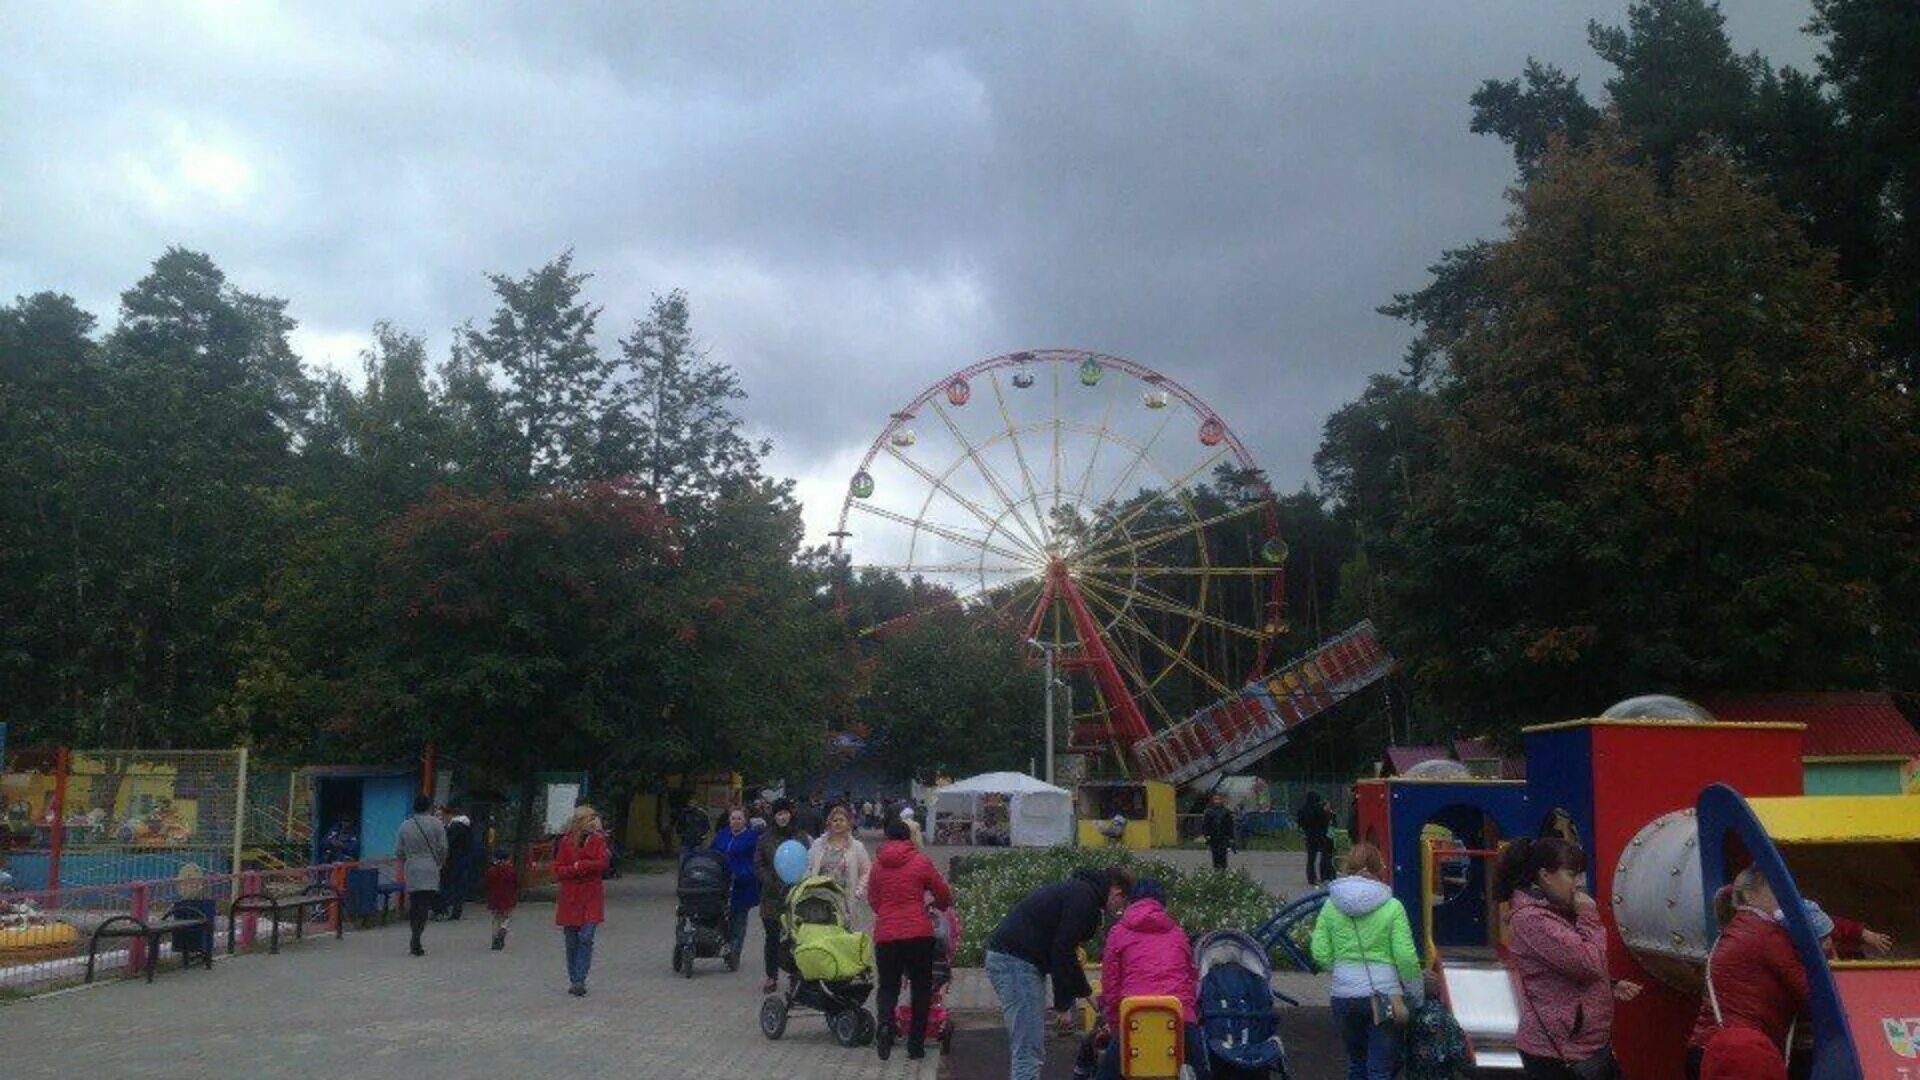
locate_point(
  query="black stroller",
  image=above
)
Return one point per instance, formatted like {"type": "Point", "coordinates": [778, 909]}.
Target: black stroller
{"type": "Point", "coordinates": [700, 930]}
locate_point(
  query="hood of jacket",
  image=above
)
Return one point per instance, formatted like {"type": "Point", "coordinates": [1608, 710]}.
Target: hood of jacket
{"type": "Point", "coordinates": [1148, 917]}
{"type": "Point", "coordinates": [895, 854]}
{"type": "Point", "coordinates": [1358, 896]}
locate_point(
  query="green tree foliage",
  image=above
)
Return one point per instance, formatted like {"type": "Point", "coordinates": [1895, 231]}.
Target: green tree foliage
{"type": "Point", "coordinates": [1837, 149]}
{"type": "Point", "coordinates": [535, 384]}
{"type": "Point", "coordinates": [956, 695]}
{"type": "Point", "coordinates": [677, 426]}
{"type": "Point", "coordinates": [1530, 112]}
{"type": "Point", "coordinates": [202, 545]}
{"type": "Point", "coordinates": [142, 465]}
{"type": "Point", "coordinates": [1872, 64]}
{"type": "Point", "coordinates": [1661, 463]}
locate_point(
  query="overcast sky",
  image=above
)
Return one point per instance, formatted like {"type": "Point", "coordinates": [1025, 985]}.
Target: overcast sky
{"type": "Point", "coordinates": [857, 197]}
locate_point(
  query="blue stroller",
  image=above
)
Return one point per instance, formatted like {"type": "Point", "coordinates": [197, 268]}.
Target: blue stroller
{"type": "Point", "coordinates": [1237, 1007]}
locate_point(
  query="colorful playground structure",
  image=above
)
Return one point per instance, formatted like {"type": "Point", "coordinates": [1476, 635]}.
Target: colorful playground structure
{"type": "Point", "coordinates": [1667, 811]}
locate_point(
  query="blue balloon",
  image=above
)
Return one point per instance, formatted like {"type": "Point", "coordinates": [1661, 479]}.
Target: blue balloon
{"type": "Point", "coordinates": [790, 861]}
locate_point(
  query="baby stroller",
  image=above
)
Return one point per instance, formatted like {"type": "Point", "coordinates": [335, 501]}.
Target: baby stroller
{"type": "Point", "coordinates": [829, 966]}
{"type": "Point", "coordinates": [946, 942]}
{"type": "Point", "coordinates": [701, 918]}
{"type": "Point", "coordinates": [1236, 1007]}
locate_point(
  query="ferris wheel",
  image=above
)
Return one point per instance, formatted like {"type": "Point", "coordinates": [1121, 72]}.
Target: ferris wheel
{"type": "Point", "coordinates": [1093, 505]}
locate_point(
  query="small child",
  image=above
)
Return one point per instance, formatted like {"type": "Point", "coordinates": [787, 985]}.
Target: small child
{"type": "Point", "coordinates": [501, 883]}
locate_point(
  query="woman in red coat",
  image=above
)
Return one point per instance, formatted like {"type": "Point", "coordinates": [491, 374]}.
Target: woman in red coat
{"type": "Point", "coordinates": [897, 888]}
{"type": "Point", "coordinates": [579, 860]}
{"type": "Point", "coordinates": [1754, 974]}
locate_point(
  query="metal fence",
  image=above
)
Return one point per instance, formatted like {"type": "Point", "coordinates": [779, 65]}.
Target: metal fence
{"type": "Point", "coordinates": [45, 933]}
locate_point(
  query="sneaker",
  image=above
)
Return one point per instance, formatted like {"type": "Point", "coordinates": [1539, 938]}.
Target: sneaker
{"type": "Point", "coordinates": [417, 951]}
{"type": "Point", "coordinates": [883, 1039]}
{"type": "Point", "coordinates": [499, 940]}
{"type": "Point", "coordinates": [770, 986]}
{"type": "Point", "coordinates": [578, 990]}
{"type": "Point", "coordinates": [916, 1052]}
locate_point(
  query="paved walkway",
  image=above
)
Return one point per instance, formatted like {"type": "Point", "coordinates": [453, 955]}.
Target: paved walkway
{"type": "Point", "coordinates": [362, 1007]}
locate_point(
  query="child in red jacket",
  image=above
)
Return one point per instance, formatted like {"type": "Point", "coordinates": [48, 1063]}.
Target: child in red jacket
{"type": "Point", "coordinates": [501, 883]}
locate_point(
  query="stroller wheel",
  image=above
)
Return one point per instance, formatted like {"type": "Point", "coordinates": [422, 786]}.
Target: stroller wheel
{"type": "Point", "coordinates": [686, 961]}
{"type": "Point", "coordinates": [846, 1027]}
{"type": "Point", "coordinates": [868, 1027]}
{"type": "Point", "coordinates": [679, 958]}
{"type": "Point", "coordinates": [773, 1017]}
{"type": "Point", "coordinates": [946, 1039]}
{"type": "Point", "coordinates": [733, 964]}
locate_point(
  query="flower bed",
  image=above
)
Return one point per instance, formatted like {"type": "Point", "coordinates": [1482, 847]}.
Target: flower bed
{"type": "Point", "coordinates": [987, 886]}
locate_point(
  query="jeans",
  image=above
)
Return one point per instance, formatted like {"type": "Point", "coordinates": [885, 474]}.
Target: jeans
{"type": "Point", "coordinates": [1219, 850]}
{"type": "Point", "coordinates": [420, 905]}
{"type": "Point", "coordinates": [1196, 1055]}
{"type": "Point", "coordinates": [1022, 993]}
{"type": "Point", "coordinates": [737, 919]}
{"type": "Point", "coordinates": [912, 957]}
{"type": "Point", "coordinates": [1373, 1050]}
{"type": "Point", "coordinates": [579, 952]}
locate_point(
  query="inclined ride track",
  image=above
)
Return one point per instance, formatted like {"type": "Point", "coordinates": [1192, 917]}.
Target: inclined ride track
{"type": "Point", "coordinates": [1092, 503]}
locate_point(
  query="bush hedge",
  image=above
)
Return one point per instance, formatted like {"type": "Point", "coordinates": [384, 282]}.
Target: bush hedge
{"type": "Point", "coordinates": [987, 886]}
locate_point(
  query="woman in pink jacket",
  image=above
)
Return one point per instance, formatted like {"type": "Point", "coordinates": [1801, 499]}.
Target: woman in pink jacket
{"type": "Point", "coordinates": [1558, 957]}
{"type": "Point", "coordinates": [1148, 955]}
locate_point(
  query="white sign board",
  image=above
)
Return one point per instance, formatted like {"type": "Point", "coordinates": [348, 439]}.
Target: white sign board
{"type": "Point", "coordinates": [560, 800]}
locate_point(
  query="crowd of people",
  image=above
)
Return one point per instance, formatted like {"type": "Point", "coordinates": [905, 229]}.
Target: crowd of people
{"type": "Point", "coordinates": [893, 887]}
{"type": "Point", "coordinates": [1384, 1005]}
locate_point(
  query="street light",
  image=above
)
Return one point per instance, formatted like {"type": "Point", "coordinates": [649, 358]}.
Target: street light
{"type": "Point", "coordinates": [1052, 682]}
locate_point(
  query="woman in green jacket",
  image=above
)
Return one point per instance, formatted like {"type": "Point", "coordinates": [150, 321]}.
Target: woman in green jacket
{"type": "Point", "coordinates": [1363, 937]}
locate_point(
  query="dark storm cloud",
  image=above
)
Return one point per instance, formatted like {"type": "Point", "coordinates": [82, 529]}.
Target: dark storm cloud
{"type": "Point", "coordinates": [858, 197]}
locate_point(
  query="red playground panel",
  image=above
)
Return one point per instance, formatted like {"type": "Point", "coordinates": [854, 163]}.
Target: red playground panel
{"type": "Point", "coordinates": [1609, 778]}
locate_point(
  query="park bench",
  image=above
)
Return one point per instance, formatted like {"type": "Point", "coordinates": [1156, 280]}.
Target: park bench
{"type": "Point", "coordinates": [314, 899]}
{"type": "Point", "coordinates": [187, 921]}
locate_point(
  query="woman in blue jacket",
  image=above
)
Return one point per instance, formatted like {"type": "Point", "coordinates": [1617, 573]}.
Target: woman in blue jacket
{"type": "Point", "coordinates": [736, 841]}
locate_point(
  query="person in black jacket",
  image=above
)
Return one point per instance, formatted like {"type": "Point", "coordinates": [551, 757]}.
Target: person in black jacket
{"type": "Point", "coordinates": [456, 881]}
{"type": "Point", "coordinates": [1217, 824]}
{"type": "Point", "coordinates": [1315, 820]}
{"type": "Point", "coordinates": [1039, 939]}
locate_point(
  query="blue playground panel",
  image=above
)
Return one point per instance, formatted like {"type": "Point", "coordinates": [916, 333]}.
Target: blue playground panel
{"type": "Point", "coordinates": [1464, 807]}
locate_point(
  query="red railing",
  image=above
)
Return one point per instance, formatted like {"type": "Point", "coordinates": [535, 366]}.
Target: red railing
{"type": "Point", "coordinates": [44, 933]}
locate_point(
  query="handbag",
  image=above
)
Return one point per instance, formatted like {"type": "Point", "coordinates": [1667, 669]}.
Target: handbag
{"type": "Point", "coordinates": [1389, 1009]}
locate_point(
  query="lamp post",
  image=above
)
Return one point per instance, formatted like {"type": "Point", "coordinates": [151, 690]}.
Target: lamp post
{"type": "Point", "coordinates": [1048, 651]}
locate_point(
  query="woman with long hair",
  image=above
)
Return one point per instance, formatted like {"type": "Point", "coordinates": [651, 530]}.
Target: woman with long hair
{"type": "Point", "coordinates": [1754, 977]}
{"type": "Point", "coordinates": [1557, 953]}
{"type": "Point", "coordinates": [579, 860]}
{"type": "Point", "coordinates": [1363, 937]}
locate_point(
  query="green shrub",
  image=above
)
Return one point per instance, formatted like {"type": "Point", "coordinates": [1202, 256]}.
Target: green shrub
{"type": "Point", "coordinates": [987, 886]}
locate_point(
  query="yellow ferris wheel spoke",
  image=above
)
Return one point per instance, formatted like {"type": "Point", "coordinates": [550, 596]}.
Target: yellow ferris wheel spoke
{"type": "Point", "coordinates": [1153, 639]}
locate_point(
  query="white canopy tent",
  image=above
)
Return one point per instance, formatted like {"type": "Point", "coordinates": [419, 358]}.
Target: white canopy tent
{"type": "Point", "coordinates": [1002, 808]}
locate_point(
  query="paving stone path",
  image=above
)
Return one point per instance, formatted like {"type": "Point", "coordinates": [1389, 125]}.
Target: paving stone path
{"type": "Point", "coordinates": [362, 1007]}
